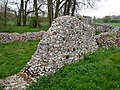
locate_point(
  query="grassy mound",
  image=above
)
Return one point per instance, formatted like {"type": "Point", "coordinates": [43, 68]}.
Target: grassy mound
{"type": "Point", "coordinates": [99, 71]}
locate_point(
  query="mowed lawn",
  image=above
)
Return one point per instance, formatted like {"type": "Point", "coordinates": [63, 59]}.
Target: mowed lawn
{"type": "Point", "coordinates": [14, 56]}
{"type": "Point", "coordinates": [99, 71]}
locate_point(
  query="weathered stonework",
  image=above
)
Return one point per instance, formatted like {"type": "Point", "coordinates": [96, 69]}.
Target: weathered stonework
{"type": "Point", "coordinates": [98, 26]}
{"type": "Point", "coordinates": [102, 27]}
{"type": "Point", "coordinates": [11, 37]}
{"type": "Point", "coordinates": [66, 42]}
{"type": "Point", "coordinates": [109, 39]}
{"type": "Point", "coordinates": [87, 20]}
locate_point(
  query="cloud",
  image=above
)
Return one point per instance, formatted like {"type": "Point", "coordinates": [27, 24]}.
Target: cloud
{"type": "Point", "coordinates": [106, 7]}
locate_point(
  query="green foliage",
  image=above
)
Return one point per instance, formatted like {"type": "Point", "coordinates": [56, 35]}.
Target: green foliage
{"type": "Point", "coordinates": [99, 20]}
{"type": "Point", "coordinates": [97, 32]}
{"type": "Point", "coordinates": [44, 26]}
{"type": "Point", "coordinates": [1, 21]}
{"type": "Point", "coordinates": [114, 21]}
{"type": "Point", "coordinates": [1, 25]}
{"type": "Point", "coordinates": [99, 71]}
{"type": "Point", "coordinates": [43, 19]}
{"type": "Point", "coordinates": [33, 22]}
{"type": "Point", "coordinates": [1, 87]}
{"type": "Point", "coordinates": [107, 19]}
{"type": "Point", "coordinates": [14, 56]}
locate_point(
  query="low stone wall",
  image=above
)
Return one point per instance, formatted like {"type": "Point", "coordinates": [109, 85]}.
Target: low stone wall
{"type": "Point", "coordinates": [109, 39]}
{"type": "Point", "coordinates": [97, 26]}
{"type": "Point", "coordinates": [11, 37]}
{"type": "Point", "coordinates": [102, 27]}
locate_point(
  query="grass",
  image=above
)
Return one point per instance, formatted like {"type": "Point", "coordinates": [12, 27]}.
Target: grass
{"type": "Point", "coordinates": [11, 27]}
{"type": "Point", "coordinates": [14, 56]}
{"type": "Point", "coordinates": [1, 88]}
{"type": "Point", "coordinates": [101, 22]}
{"type": "Point", "coordinates": [113, 24]}
{"type": "Point", "coordinates": [97, 32]}
{"type": "Point", "coordinates": [115, 18]}
{"type": "Point", "coordinates": [99, 71]}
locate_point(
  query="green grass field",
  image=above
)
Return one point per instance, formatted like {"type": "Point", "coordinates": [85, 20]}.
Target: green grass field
{"type": "Point", "coordinates": [113, 24]}
{"type": "Point", "coordinates": [11, 27]}
{"type": "Point", "coordinates": [99, 71]}
{"type": "Point", "coordinates": [101, 22]}
{"type": "Point", "coordinates": [14, 56]}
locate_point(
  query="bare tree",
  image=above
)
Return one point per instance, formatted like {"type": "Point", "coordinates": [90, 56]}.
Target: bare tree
{"type": "Point", "coordinates": [36, 13]}
{"type": "Point", "coordinates": [5, 12]}
{"type": "Point", "coordinates": [67, 7]}
{"type": "Point", "coordinates": [17, 12]}
{"type": "Point", "coordinates": [50, 11]}
{"type": "Point", "coordinates": [57, 8]}
{"type": "Point", "coordinates": [25, 12]}
{"type": "Point", "coordinates": [74, 7]}
{"type": "Point", "coordinates": [20, 13]}
{"type": "Point", "coordinates": [59, 4]}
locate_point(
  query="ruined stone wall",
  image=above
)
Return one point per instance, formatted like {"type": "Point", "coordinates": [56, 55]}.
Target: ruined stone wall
{"type": "Point", "coordinates": [87, 20]}
{"type": "Point", "coordinates": [11, 37]}
{"type": "Point", "coordinates": [102, 27]}
{"type": "Point", "coordinates": [66, 42]}
{"type": "Point", "coordinates": [97, 26]}
{"type": "Point", "coordinates": [109, 39]}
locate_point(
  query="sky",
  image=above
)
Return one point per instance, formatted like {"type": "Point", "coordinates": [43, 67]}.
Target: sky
{"type": "Point", "coordinates": [104, 8]}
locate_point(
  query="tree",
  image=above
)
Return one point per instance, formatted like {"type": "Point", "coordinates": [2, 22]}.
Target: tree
{"type": "Point", "coordinates": [74, 7]}
{"type": "Point", "coordinates": [20, 13]}
{"type": "Point", "coordinates": [36, 9]}
{"type": "Point", "coordinates": [107, 19]}
{"type": "Point", "coordinates": [5, 12]}
{"type": "Point", "coordinates": [36, 13]}
{"type": "Point", "coordinates": [59, 4]}
{"type": "Point", "coordinates": [57, 8]}
{"type": "Point", "coordinates": [25, 13]}
{"type": "Point", "coordinates": [50, 11]}
{"type": "Point", "coordinates": [67, 6]}
{"type": "Point", "coordinates": [17, 11]}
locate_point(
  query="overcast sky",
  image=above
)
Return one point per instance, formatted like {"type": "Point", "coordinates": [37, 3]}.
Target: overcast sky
{"type": "Point", "coordinates": [106, 7]}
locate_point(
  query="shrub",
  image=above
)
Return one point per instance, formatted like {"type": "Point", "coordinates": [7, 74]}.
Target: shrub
{"type": "Point", "coordinates": [106, 19]}
{"type": "Point", "coordinates": [33, 22]}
